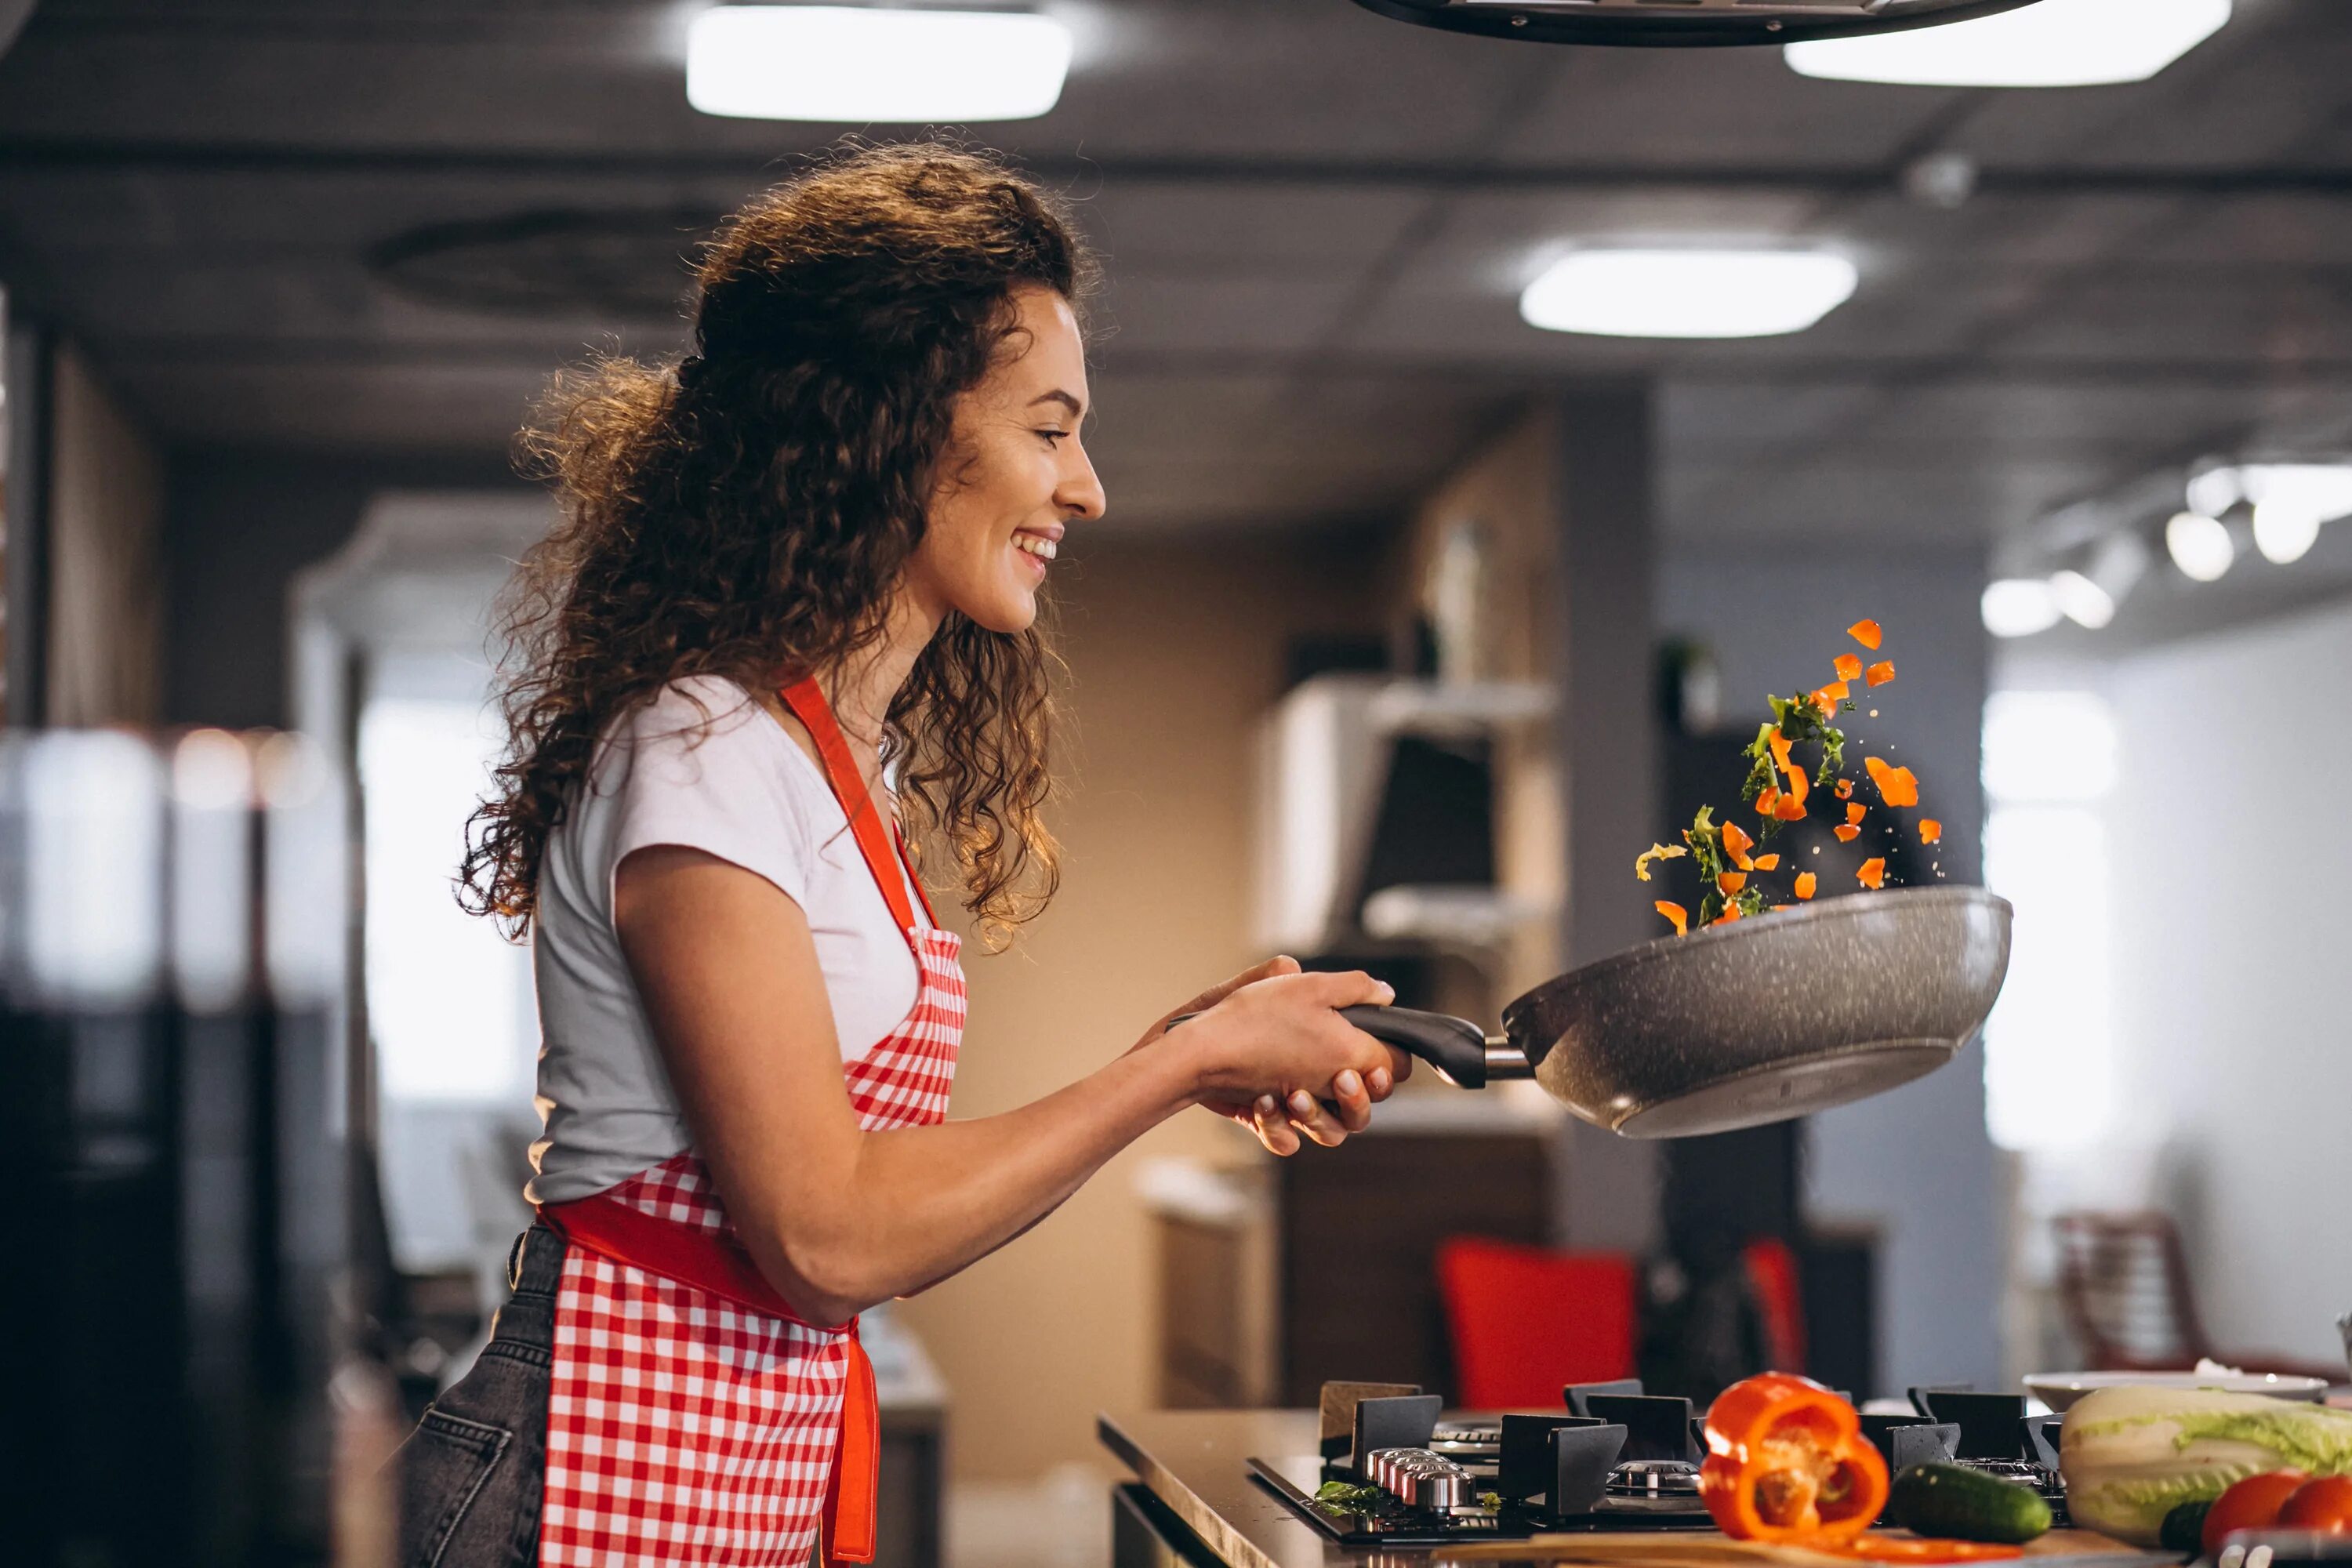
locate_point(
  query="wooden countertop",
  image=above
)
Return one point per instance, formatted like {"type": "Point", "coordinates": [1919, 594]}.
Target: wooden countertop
{"type": "Point", "coordinates": [1195, 1461]}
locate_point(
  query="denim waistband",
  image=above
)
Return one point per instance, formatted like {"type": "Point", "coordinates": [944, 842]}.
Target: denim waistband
{"type": "Point", "coordinates": [535, 1266]}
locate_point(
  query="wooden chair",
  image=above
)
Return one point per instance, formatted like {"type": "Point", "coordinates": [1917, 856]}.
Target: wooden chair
{"type": "Point", "coordinates": [2123, 1280]}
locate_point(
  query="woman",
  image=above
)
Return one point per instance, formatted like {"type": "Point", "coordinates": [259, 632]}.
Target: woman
{"type": "Point", "coordinates": [798, 569]}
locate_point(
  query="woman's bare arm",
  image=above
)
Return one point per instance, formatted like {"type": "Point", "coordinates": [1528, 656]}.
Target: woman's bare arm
{"type": "Point", "coordinates": [838, 1219]}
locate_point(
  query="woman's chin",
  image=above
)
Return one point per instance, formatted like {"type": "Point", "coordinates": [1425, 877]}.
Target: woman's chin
{"type": "Point", "coordinates": [1007, 615]}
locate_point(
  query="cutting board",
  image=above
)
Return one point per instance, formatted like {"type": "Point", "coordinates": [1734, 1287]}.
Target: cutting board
{"type": "Point", "coordinates": [2078, 1548]}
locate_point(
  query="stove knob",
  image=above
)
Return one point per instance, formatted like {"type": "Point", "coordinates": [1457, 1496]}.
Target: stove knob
{"type": "Point", "coordinates": [1445, 1491]}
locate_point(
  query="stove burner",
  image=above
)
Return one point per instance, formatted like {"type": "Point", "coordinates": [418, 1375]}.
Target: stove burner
{"type": "Point", "coordinates": [1419, 1479]}
{"type": "Point", "coordinates": [1655, 1479]}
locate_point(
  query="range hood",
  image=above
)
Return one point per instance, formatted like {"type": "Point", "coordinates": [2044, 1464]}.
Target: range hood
{"type": "Point", "coordinates": [1686, 24]}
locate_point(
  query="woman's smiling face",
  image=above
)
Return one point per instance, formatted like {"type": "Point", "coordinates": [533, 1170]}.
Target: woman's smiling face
{"type": "Point", "coordinates": [1015, 476]}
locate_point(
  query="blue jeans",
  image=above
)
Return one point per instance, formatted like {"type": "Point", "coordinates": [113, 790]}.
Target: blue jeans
{"type": "Point", "coordinates": [471, 1475]}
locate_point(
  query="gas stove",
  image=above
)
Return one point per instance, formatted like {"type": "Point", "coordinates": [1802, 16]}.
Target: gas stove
{"type": "Point", "coordinates": [1394, 1472]}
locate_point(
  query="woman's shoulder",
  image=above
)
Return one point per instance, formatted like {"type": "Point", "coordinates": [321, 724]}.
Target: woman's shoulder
{"type": "Point", "coordinates": [699, 732]}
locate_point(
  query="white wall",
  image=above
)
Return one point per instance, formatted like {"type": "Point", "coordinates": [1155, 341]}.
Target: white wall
{"type": "Point", "coordinates": [1916, 1163]}
{"type": "Point", "coordinates": [2232, 842]}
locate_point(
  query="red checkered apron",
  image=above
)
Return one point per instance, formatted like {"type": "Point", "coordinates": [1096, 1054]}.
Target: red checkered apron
{"type": "Point", "coordinates": [691, 1416]}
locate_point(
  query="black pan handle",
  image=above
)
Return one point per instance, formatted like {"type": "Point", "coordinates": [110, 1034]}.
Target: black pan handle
{"type": "Point", "coordinates": [1456, 1047]}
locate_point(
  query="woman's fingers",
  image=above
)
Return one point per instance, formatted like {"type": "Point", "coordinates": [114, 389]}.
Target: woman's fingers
{"type": "Point", "coordinates": [1284, 964]}
{"type": "Point", "coordinates": [1314, 1119]}
{"type": "Point", "coordinates": [1274, 1129]}
{"type": "Point", "coordinates": [1351, 1100]}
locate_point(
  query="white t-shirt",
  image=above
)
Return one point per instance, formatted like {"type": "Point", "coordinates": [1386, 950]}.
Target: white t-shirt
{"type": "Point", "coordinates": [736, 785]}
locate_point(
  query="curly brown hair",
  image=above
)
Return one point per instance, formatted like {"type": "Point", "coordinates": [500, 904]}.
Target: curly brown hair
{"type": "Point", "coordinates": [747, 510]}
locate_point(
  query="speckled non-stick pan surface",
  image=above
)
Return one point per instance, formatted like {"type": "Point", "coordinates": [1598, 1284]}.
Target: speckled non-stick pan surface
{"type": "Point", "coordinates": [1769, 1019]}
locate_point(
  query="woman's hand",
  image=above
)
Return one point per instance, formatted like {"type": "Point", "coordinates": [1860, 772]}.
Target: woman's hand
{"type": "Point", "coordinates": [1272, 1031]}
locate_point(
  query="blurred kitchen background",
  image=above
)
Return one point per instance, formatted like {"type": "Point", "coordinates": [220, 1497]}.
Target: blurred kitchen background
{"type": "Point", "coordinates": [1412, 623]}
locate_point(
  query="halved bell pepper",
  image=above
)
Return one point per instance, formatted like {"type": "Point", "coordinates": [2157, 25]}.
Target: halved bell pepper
{"type": "Point", "coordinates": [1786, 1462]}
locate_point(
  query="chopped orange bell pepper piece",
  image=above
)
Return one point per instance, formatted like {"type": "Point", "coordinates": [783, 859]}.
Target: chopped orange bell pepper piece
{"type": "Point", "coordinates": [1769, 803]}
{"type": "Point", "coordinates": [1779, 744]}
{"type": "Point", "coordinates": [1845, 789]}
{"type": "Point", "coordinates": [1866, 633]}
{"type": "Point", "coordinates": [1731, 881]}
{"type": "Point", "coordinates": [1767, 863]}
{"type": "Point", "coordinates": [1873, 874]}
{"type": "Point", "coordinates": [1676, 913]}
{"type": "Point", "coordinates": [1896, 786]}
{"type": "Point", "coordinates": [1791, 807]}
{"type": "Point", "coordinates": [1727, 916]}
{"type": "Point", "coordinates": [1848, 667]}
{"type": "Point", "coordinates": [1855, 813]}
{"type": "Point", "coordinates": [1800, 786]}
{"type": "Point", "coordinates": [1737, 844]}
{"type": "Point", "coordinates": [1880, 674]}
{"type": "Point", "coordinates": [1930, 830]}
{"type": "Point", "coordinates": [1786, 1462]}
{"type": "Point", "coordinates": [1846, 832]}
{"type": "Point", "coordinates": [1807, 885]}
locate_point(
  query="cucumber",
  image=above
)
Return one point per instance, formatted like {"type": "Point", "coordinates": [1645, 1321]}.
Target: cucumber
{"type": "Point", "coordinates": [2184, 1527]}
{"type": "Point", "coordinates": [1955, 1503]}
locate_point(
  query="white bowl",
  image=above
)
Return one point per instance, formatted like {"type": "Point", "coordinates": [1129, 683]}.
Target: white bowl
{"type": "Point", "coordinates": [2059, 1390]}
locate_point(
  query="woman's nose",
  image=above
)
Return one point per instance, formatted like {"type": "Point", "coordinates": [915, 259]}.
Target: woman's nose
{"type": "Point", "coordinates": [1081, 491]}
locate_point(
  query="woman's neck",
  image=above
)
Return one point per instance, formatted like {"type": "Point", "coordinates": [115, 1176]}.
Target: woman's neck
{"type": "Point", "coordinates": [862, 690]}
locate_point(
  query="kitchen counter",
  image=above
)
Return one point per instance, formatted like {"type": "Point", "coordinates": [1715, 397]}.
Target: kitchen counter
{"type": "Point", "coordinates": [1205, 1508]}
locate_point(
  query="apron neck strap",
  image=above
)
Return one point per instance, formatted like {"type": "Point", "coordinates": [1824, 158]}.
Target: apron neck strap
{"type": "Point", "coordinates": [805, 699]}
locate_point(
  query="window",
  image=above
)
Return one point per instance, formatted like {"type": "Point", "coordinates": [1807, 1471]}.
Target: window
{"type": "Point", "coordinates": [2049, 763]}
{"type": "Point", "coordinates": [449, 999]}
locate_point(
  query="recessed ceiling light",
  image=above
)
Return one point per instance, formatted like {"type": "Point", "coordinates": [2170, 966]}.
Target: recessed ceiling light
{"type": "Point", "coordinates": [1688, 293]}
{"type": "Point", "coordinates": [2053, 42]}
{"type": "Point", "coordinates": [2199, 546]}
{"type": "Point", "coordinates": [2019, 606]}
{"type": "Point", "coordinates": [856, 66]}
{"type": "Point", "coordinates": [2082, 601]}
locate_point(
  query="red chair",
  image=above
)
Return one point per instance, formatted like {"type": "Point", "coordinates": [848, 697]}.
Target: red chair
{"type": "Point", "coordinates": [1526, 1322]}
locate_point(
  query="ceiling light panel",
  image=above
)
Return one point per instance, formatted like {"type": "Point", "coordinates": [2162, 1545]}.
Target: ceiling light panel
{"type": "Point", "coordinates": [1688, 293]}
{"type": "Point", "coordinates": [2053, 42]}
{"type": "Point", "coordinates": [854, 66]}
{"type": "Point", "coordinates": [2200, 546]}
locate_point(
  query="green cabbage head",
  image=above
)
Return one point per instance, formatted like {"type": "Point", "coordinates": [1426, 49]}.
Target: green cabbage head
{"type": "Point", "coordinates": [2131, 1456]}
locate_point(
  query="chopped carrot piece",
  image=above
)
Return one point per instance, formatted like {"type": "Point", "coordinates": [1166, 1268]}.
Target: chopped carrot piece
{"type": "Point", "coordinates": [1855, 813]}
{"type": "Point", "coordinates": [1769, 803]}
{"type": "Point", "coordinates": [1807, 885]}
{"type": "Point", "coordinates": [1866, 633]}
{"type": "Point", "coordinates": [1737, 844]}
{"type": "Point", "coordinates": [1791, 809]}
{"type": "Point", "coordinates": [1731, 882]}
{"type": "Point", "coordinates": [1873, 874]}
{"type": "Point", "coordinates": [1676, 913]}
{"type": "Point", "coordinates": [1848, 667]}
{"type": "Point", "coordinates": [1931, 831]}
{"type": "Point", "coordinates": [1768, 862]}
{"type": "Point", "coordinates": [1847, 833]}
{"type": "Point", "coordinates": [1845, 789]}
{"type": "Point", "coordinates": [1880, 674]}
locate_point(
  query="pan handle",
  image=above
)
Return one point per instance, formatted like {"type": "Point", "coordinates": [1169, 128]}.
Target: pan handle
{"type": "Point", "coordinates": [1456, 1047]}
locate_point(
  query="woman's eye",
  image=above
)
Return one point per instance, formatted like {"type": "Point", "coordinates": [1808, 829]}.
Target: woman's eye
{"type": "Point", "coordinates": [1055, 434]}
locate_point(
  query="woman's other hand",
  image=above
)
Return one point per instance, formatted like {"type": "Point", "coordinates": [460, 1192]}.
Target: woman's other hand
{"type": "Point", "coordinates": [1273, 1029]}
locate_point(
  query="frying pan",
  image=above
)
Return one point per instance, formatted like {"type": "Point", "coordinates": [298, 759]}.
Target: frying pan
{"type": "Point", "coordinates": [1742, 1024]}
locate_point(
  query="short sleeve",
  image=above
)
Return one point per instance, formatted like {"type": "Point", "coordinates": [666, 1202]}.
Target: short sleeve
{"type": "Point", "coordinates": [705, 767]}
